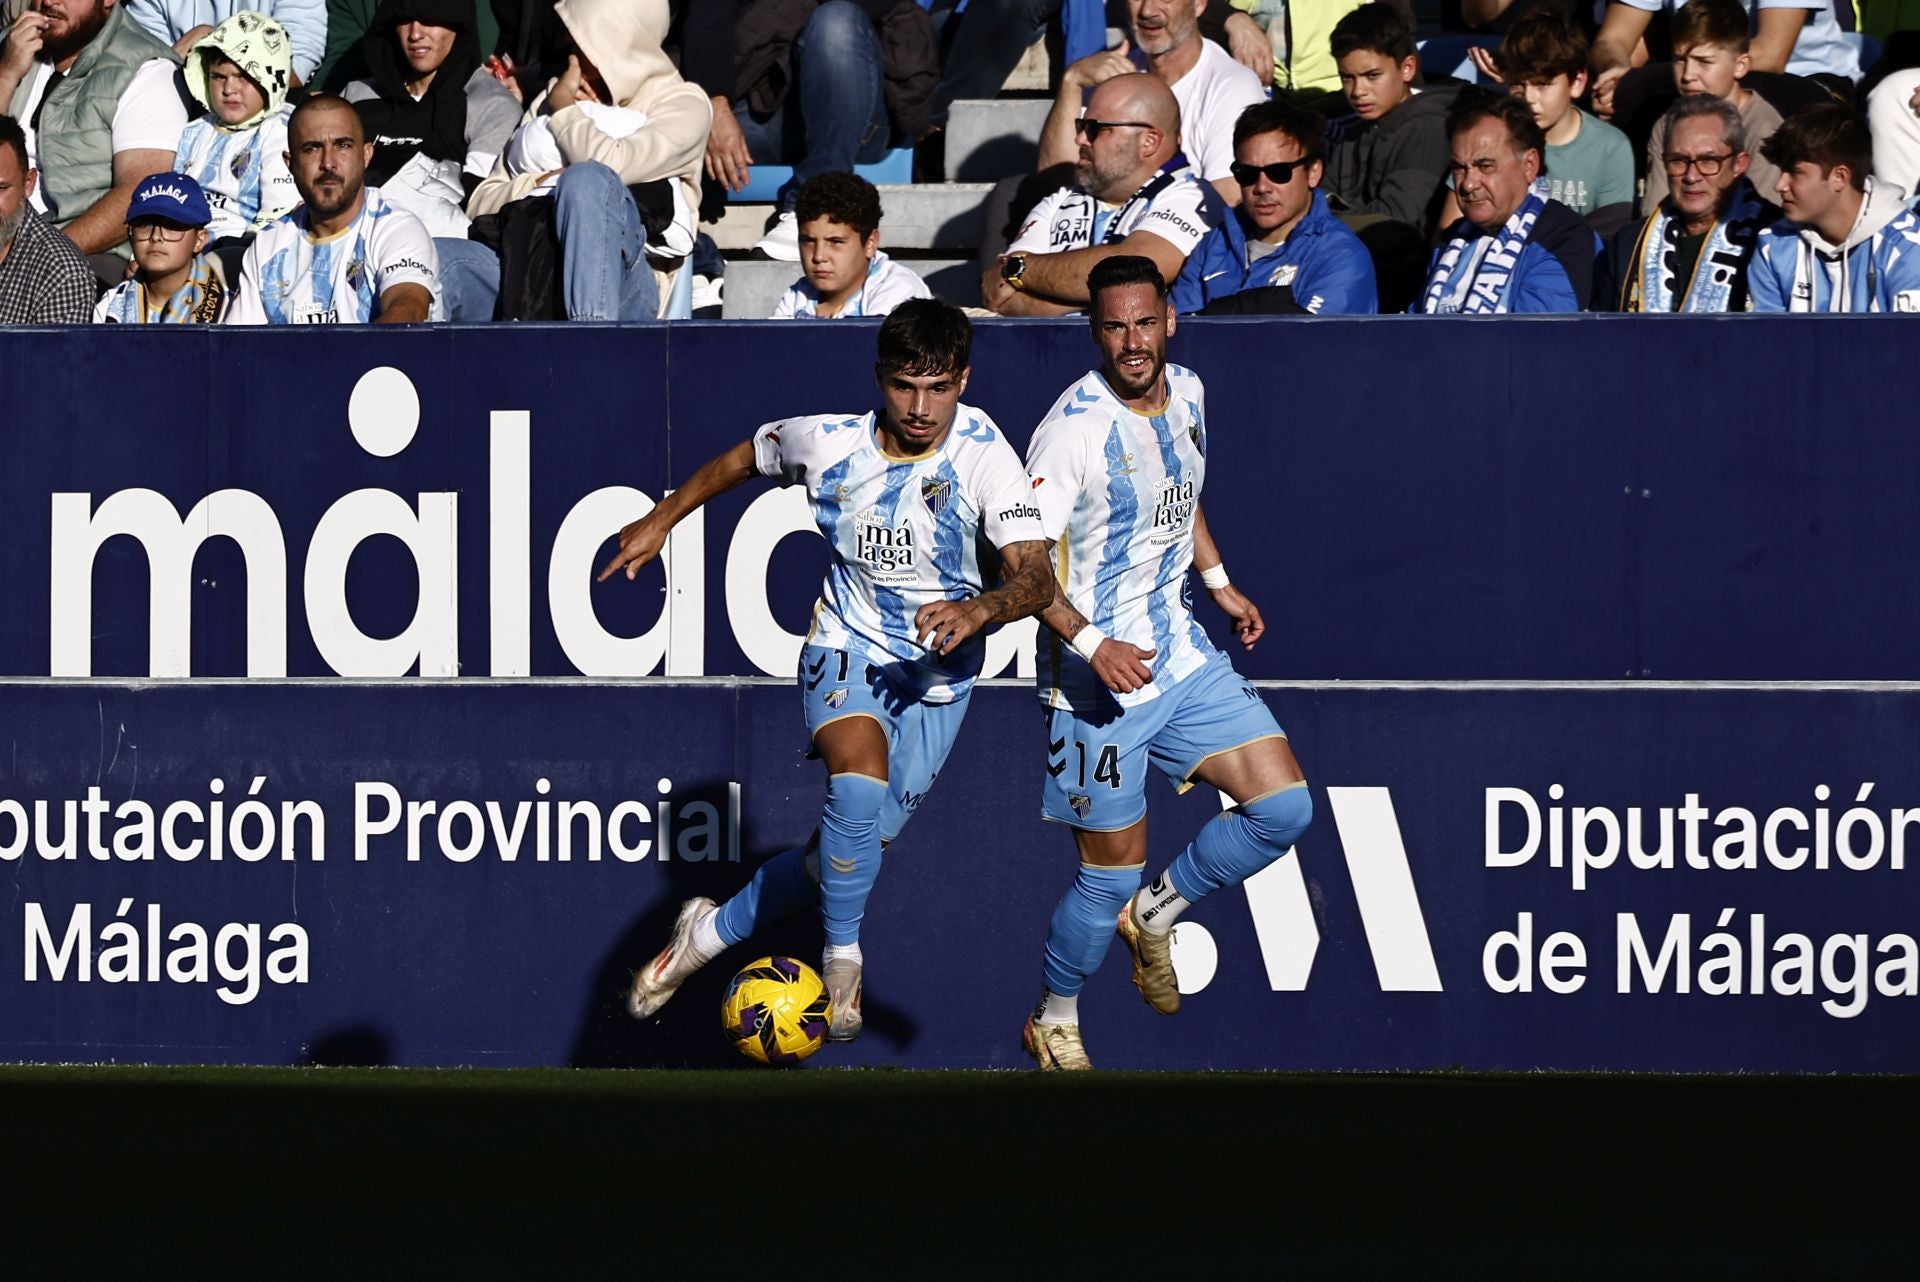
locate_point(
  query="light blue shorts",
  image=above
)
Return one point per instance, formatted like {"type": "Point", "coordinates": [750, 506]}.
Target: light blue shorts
{"type": "Point", "coordinates": [1096, 765]}
{"type": "Point", "coordinates": [835, 684]}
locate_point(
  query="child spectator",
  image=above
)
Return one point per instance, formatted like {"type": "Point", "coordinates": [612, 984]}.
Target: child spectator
{"type": "Point", "coordinates": [236, 152]}
{"type": "Point", "coordinates": [175, 282]}
{"type": "Point", "coordinates": [1390, 156]}
{"type": "Point", "coordinates": [846, 272]}
{"type": "Point", "coordinates": [1710, 56]}
{"type": "Point", "coordinates": [1543, 59]}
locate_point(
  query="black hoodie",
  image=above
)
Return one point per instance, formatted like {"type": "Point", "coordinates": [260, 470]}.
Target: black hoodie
{"type": "Point", "coordinates": [396, 125]}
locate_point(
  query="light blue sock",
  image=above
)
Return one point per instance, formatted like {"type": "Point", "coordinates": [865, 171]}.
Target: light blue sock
{"type": "Point", "coordinates": [1239, 843]}
{"type": "Point", "coordinates": [1083, 925]}
{"type": "Point", "coordinates": [781, 887]}
{"type": "Point", "coordinates": [849, 852]}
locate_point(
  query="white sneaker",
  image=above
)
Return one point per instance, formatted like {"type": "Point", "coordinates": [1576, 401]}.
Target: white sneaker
{"type": "Point", "coordinates": [782, 240]}
{"type": "Point", "coordinates": [659, 979]}
{"type": "Point", "coordinates": [844, 1020]}
{"type": "Point", "coordinates": [706, 293]}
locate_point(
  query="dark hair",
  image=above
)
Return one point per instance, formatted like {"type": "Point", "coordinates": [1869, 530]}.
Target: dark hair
{"type": "Point", "coordinates": [317, 102]}
{"type": "Point", "coordinates": [1124, 269]}
{"type": "Point", "coordinates": [12, 135]}
{"type": "Point", "coordinates": [1306, 128]}
{"type": "Point", "coordinates": [1824, 134]}
{"type": "Point", "coordinates": [1722, 23]}
{"type": "Point", "coordinates": [845, 198]}
{"type": "Point", "coordinates": [1469, 109]}
{"type": "Point", "coordinates": [925, 336]}
{"type": "Point", "coordinates": [1374, 28]}
{"type": "Point", "coordinates": [1542, 44]}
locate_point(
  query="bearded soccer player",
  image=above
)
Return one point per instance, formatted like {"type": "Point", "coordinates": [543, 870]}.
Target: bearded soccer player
{"type": "Point", "coordinates": [1130, 677]}
{"type": "Point", "coordinates": [898, 635]}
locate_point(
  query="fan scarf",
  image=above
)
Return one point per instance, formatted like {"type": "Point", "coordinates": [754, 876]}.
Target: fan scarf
{"type": "Point", "coordinates": [1492, 277]}
{"type": "Point", "coordinates": [1719, 281]}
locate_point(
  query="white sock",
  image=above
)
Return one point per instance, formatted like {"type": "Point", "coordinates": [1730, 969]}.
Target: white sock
{"type": "Point", "coordinates": [704, 943]}
{"type": "Point", "coordinates": [1056, 1009]}
{"type": "Point", "coordinates": [1158, 906]}
{"type": "Point", "coordinates": [841, 952]}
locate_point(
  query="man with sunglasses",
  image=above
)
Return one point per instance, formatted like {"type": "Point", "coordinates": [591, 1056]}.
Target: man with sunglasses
{"type": "Point", "coordinates": [1134, 194]}
{"type": "Point", "coordinates": [175, 282]}
{"type": "Point", "coordinates": [1692, 253]}
{"type": "Point", "coordinates": [1281, 250]}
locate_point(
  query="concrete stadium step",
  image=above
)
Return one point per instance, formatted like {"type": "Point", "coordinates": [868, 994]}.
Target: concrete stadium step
{"type": "Point", "coordinates": [754, 285]}
{"type": "Point", "coordinates": [988, 139]}
{"type": "Point", "coordinates": [1033, 73]}
{"type": "Point", "coordinates": [914, 216]}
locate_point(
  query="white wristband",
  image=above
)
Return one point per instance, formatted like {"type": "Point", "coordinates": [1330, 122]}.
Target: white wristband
{"type": "Point", "coordinates": [1214, 577]}
{"type": "Point", "coordinates": [1087, 640]}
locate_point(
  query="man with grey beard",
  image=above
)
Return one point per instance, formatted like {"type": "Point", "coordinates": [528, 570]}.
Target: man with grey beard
{"type": "Point", "coordinates": [43, 278]}
{"type": "Point", "coordinates": [1133, 194]}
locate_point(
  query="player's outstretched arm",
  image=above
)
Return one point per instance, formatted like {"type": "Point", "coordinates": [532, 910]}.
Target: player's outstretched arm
{"type": "Point", "coordinates": [1247, 624]}
{"type": "Point", "coordinates": [1120, 665]}
{"type": "Point", "coordinates": [1026, 586]}
{"type": "Point", "coordinates": [641, 541]}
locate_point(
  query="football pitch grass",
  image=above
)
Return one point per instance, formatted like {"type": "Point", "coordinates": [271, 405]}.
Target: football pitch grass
{"type": "Point", "coordinates": [373, 1173]}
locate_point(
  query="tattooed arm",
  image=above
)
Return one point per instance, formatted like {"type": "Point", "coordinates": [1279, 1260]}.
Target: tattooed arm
{"type": "Point", "coordinates": [1025, 588]}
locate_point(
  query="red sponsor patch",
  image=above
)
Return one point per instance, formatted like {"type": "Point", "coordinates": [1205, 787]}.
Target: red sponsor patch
{"type": "Point", "coordinates": [1038, 481]}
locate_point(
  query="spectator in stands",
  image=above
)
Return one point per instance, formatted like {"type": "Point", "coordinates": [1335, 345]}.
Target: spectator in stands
{"type": "Point", "coordinates": [348, 22]}
{"type": "Point", "coordinates": [1210, 88]}
{"type": "Point", "coordinates": [437, 118]}
{"type": "Point", "coordinates": [1800, 37]}
{"type": "Point", "coordinates": [345, 256]}
{"type": "Point", "coordinates": [1281, 250]}
{"type": "Point", "coordinates": [605, 269]}
{"type": "Point", "coordinates": [1543, 59]}
{"type": "Point", "coordinates": [1135, 194]}
{"type": "Point", "coordinates": [185, 23]}
{"type": "Point", "coordinates": [175, 282]}
{"type": "Point", "coordinates": [846, 272]}
{"type": "Point", "coordinates": [1711, 56]}
{"type": "Point", "coordinates": [984, 44]}
{"type": "Point", "coordinates": [1847, 244]}
{"type": "Point", "coordinates": [820, 88]}
{"type": "Point", "coordinates": [1388, 158]}
{"type": "Point", "coordinates": [237, 151]}
{"type": "Point", "coordinates": [1287, 43]}
{"type": "Point", "coordinates": [95, 94]}
{"type": "Point", "coordinates": [1694, 251]}
{"type": "Point", "coordinates": [1893, 111]}
{"type": "Point", "coordinates": [1512, 250]}
{"type": "Point", "coordinates": [43, 278]}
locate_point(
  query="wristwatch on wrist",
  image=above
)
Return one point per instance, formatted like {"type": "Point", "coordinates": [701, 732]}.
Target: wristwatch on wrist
{"type": "Point", "coordinates": [1013, 269]}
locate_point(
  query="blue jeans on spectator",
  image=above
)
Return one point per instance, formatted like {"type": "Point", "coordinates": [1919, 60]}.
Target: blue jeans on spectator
{"type": "Point", "coordinates": [836, 113]}
{"type": "Point", "coordinates": [603, 264]}
{"type": "Point", "coordinates": [987, 43]}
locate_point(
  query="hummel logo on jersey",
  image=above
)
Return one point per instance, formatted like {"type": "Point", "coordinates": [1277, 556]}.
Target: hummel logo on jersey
{"type": "Point", "coordinates": [885, 549]}
{"type": "Point", "coordinates": [1172, 508]}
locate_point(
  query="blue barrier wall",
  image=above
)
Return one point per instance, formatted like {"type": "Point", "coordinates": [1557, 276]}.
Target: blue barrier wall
{"type": "Point", "coordinates": [1585, 498]}
{"type": "Point", "coordinates": [1384, 943]}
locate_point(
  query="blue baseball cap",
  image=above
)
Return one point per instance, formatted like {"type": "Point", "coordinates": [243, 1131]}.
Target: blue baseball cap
{"type": "Point", "coordinates": [174, 197]}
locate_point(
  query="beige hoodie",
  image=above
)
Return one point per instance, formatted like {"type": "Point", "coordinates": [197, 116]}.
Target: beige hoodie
{"type": "Point", "coordinates": [622, 40]}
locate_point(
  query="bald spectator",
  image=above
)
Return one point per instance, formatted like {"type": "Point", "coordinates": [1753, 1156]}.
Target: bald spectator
{"type": "Point", "coordinates": [1209, 86]}
{"type": "Point", "coordinates": [95, 95]}
{"type": "Point", "coordinates": [1134, 194]}
{"type": "Point", "coordinates": [43, 278]}
{"type": "Point", "coordinates": [1512, 250]}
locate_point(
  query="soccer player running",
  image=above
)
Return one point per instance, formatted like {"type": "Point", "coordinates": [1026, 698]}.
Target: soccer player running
{"type": "Point", "coordinates": [1130, 677]}
{"type": "Point", "coordinates": [897, 637]}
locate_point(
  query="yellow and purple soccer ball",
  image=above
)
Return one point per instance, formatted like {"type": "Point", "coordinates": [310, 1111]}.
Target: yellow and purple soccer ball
{"type": "Point", "coordinates": [775, 1010]}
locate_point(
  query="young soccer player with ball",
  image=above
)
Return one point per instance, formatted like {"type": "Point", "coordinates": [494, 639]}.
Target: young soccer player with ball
{"type": "Point", "coordinates": [1130, 677]}
{"type": "Point", "coordinates": [898, 635]}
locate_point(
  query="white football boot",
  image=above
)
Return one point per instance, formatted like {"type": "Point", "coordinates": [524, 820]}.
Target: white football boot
{"type": "Point", "coordinates": [659, 979]}
{"type": "Point", "coordinates": [844, 1021]}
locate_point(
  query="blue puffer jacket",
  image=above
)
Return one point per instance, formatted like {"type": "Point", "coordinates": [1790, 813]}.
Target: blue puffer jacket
{"type": "Point", "coordinates": [1328, 269]}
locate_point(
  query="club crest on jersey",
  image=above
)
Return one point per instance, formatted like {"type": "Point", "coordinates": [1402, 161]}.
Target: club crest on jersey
{"type": "Point", "coordinates": [1173, 503]}
{"type": "Point", "coordinates": [1082, 804]}
{"type": "Point", "coordinates": [936, 493]}
{"type": "Point", "coordinates": [886, 550]}
{"type": "Point", "coordinates": [835, 698]}
{"type": "Point", "coordinates": [238, 166]}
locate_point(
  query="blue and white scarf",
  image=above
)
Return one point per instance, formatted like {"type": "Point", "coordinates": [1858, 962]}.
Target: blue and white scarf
{"type": "Point", "coordinates": [1490, 272]}
{"type": "Point", "coordinates": [1719, 281]}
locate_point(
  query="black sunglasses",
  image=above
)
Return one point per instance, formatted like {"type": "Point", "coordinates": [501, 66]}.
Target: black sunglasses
{"type": "Point", "coordinates": [1280, 172]}
{"type": "Point", "coordinates": [1091, 128]}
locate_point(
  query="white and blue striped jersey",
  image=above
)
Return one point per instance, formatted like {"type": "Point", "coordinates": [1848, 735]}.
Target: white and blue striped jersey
{"type": "Point", "coordinates": [1118, 490]}
{"type": "Point", "coordinates": [905, 532]}
{"type": "Point", "coordinates": [290, 278]}
{"type": "Point", "coordinates": [243, 171]}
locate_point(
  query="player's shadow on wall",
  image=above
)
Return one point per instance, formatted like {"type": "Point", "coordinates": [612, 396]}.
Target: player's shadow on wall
{"type": "Point", "coordinates": [687, 1033]}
